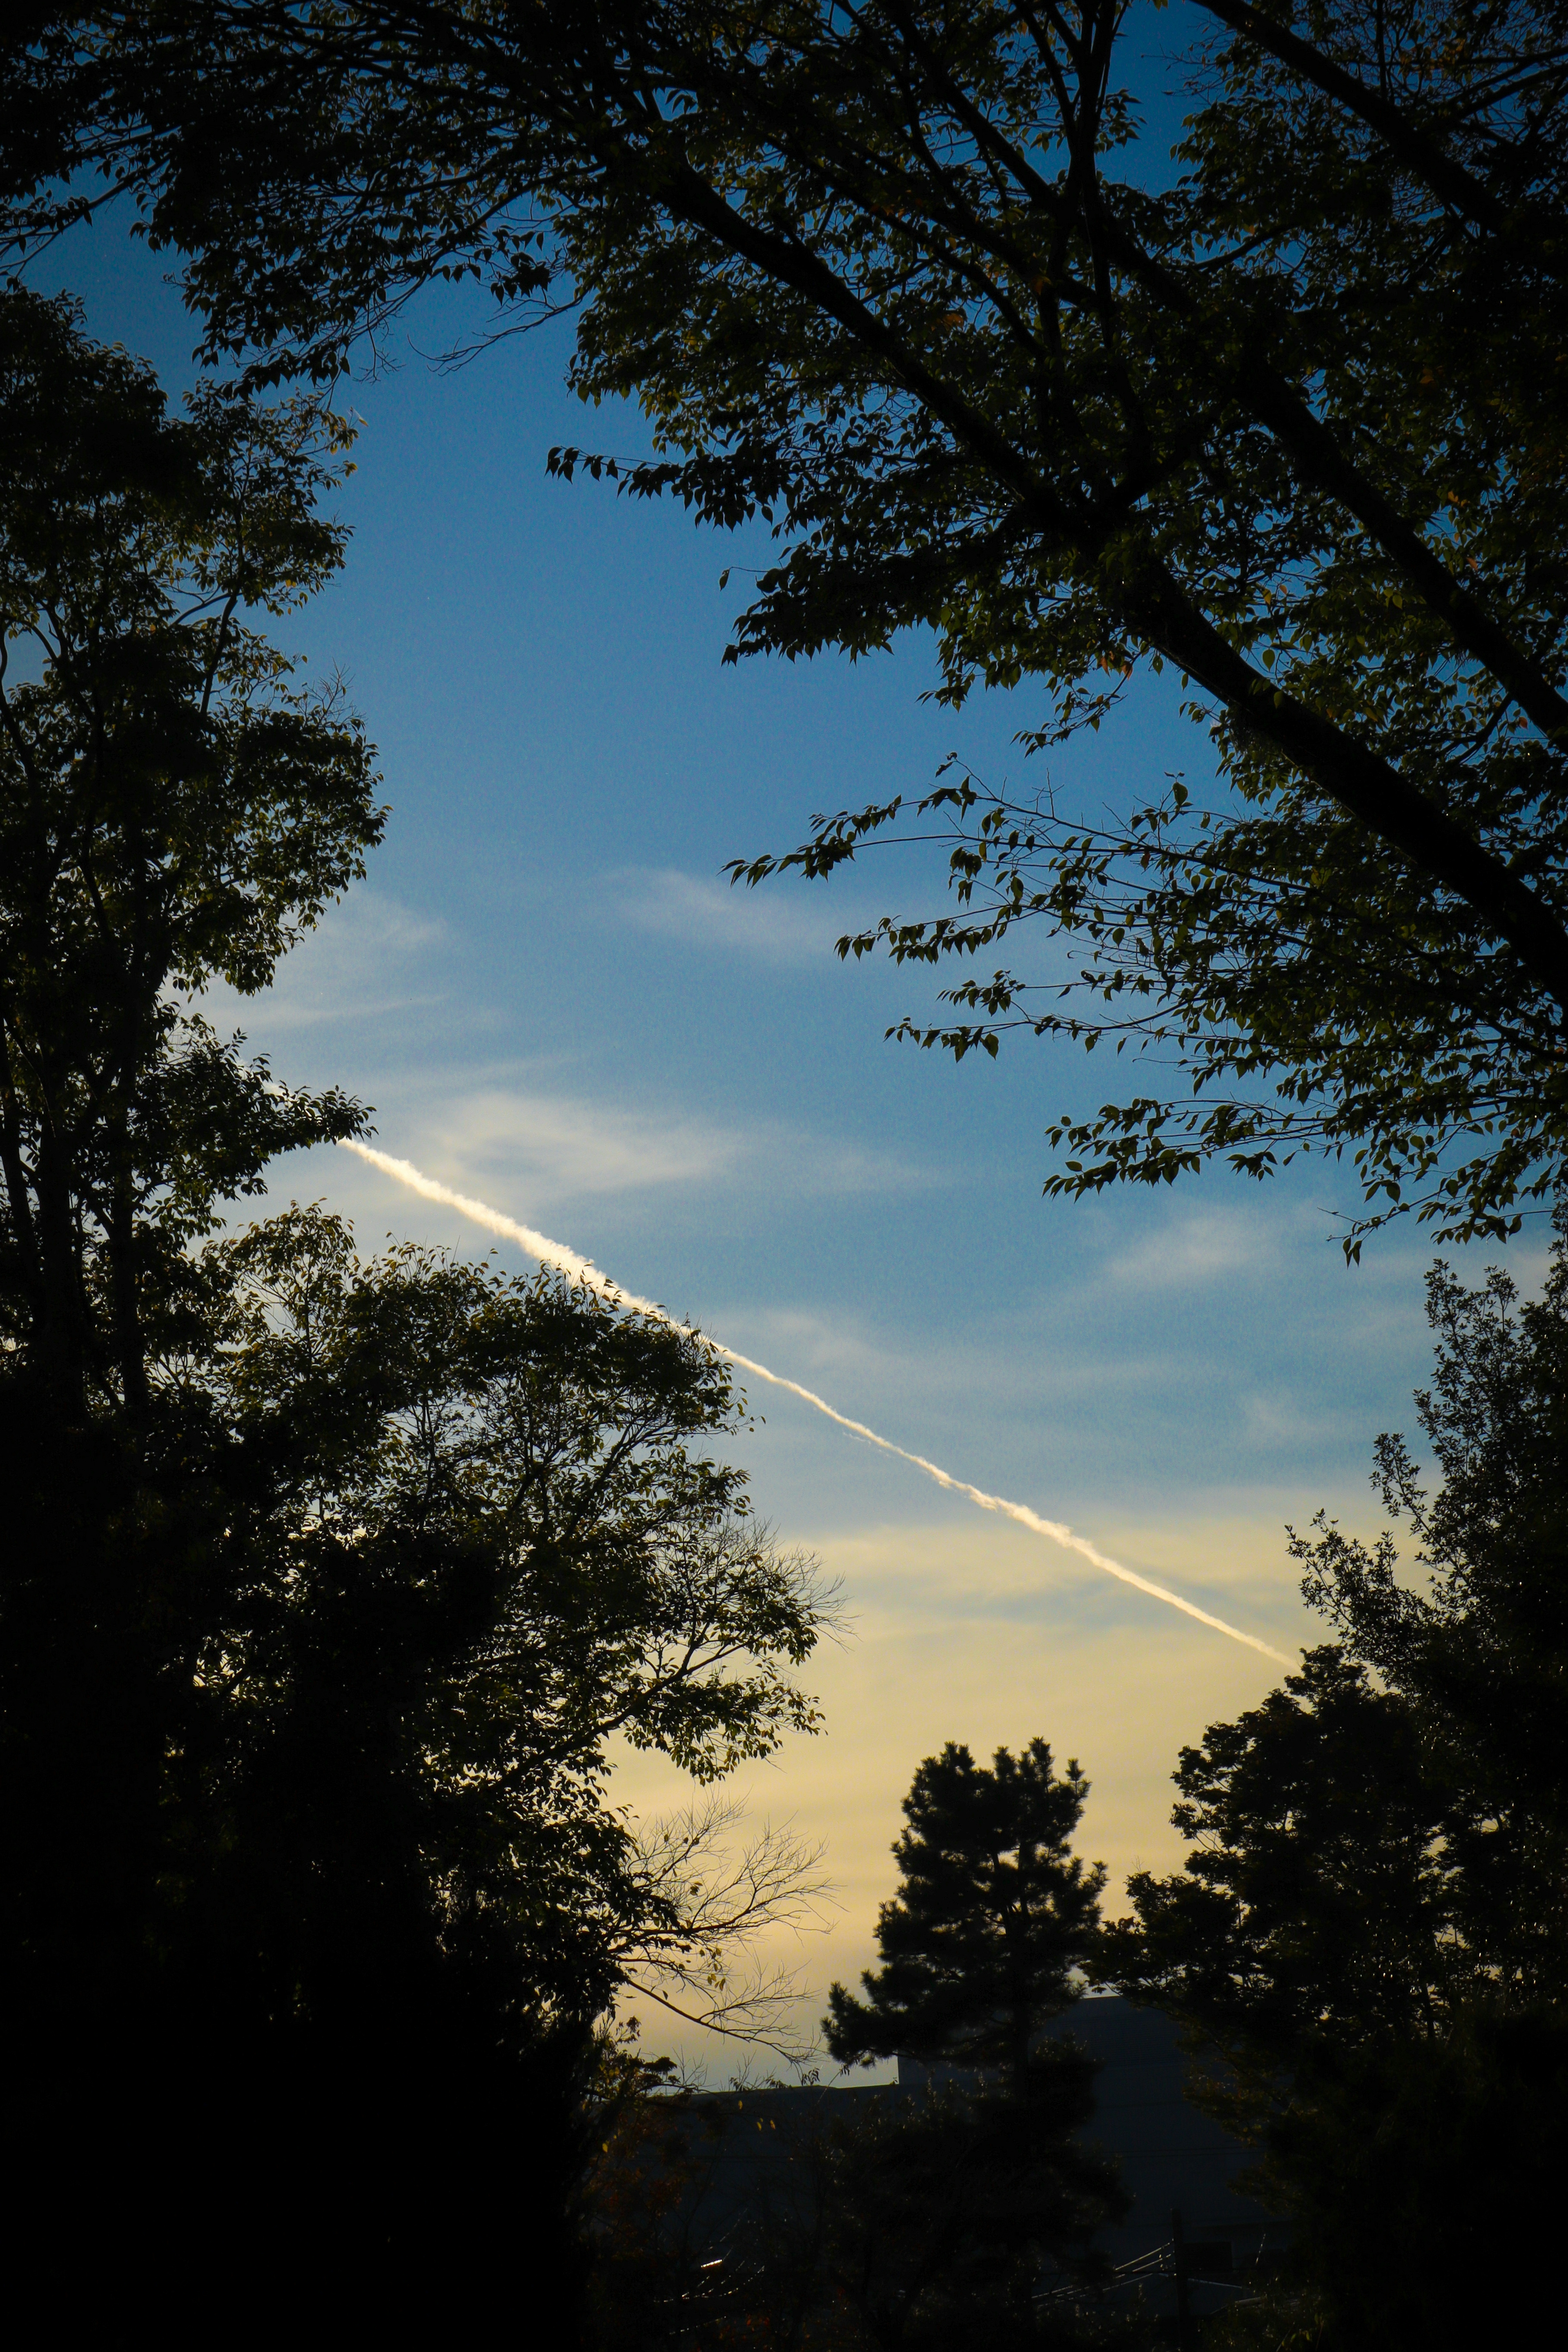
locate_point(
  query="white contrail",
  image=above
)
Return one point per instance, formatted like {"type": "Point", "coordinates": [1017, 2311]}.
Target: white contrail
{"type": "Point", "coordinates": [585, 1271]}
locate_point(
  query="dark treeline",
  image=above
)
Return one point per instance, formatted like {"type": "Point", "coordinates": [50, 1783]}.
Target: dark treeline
{"type": "Point", "coordinates": [1367, 1946]}
{"type": "Point", "coordinates": [917, 2221]}
{"type": "Point", "coordinates": [327, 1580]}
{"type": "Point", "coordinates": [1373, 1924]}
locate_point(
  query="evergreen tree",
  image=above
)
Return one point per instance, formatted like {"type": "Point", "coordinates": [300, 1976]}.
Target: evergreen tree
{"type": "Point", "coordinates": [992, 1921]}
{"type": "Point", "coordinates": [947, 2208]}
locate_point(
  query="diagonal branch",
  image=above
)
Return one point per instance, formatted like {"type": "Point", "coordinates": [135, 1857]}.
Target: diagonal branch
{"type": "Point", "coordinates": [1447, 179]}
{"type": "Point", "coordinates": [1153, 602]}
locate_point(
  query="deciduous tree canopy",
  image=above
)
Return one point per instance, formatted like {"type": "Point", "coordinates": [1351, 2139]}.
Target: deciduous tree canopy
{"type": "Point", "coordinates": [174, 808]}
{"type": "Point", "coordinates": [1371, 1922]}
{"type": "Point", "coordinates": [326, 1584]}
{"type": "Point", "coordinates": [891, 276]}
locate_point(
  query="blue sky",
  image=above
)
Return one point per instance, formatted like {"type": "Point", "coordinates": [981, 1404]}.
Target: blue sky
{"type": "Point", "coordinates": [555, 1002]}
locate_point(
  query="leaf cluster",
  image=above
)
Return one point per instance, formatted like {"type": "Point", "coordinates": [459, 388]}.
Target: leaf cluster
{"type": "Point", "coordinates": [172, 813]}
{"type": "Point", "coordinates": [1370, 1926]}
{"type": "Point", "coordinates": [465, 1543]}
{"type": "Point", "coordinates": [887, 278]}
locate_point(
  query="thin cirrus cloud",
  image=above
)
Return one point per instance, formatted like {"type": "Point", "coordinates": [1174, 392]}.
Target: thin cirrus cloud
{"type": "Point", "coordinates": [362, 961]}
{"type": "Point", "coordinates": [1006, 1376]}
{"type": "Point", "coordinates": [966, 1630]}
{"type": "Point", "coordinates": [701, 912]}
{"type": "Point", "coordinates": [561, 1146]}
{"type": "Point", "coordinates": [1197, 1249]}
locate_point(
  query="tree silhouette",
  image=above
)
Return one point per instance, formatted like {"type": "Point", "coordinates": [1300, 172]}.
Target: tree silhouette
{"type": "Point", "coordinates": [1370, 1925]}
{"type": "Point", "coordinates": [325, 1584]}
{"type": "Point", "coordinates": [993, 1920]}
{"type": "Point", "coordinates": [902, 282]}
{"type": "Point", "coordinates": [946, 2208]}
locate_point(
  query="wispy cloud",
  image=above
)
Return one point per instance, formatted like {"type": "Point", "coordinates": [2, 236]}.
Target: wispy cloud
{"type": "Point", "coordinates": [556, 1147]}
{"type": "Point", "coordinates": [362, 961]}
{"type": "Point", "coordinates": [546, 1145]}
{"type": "Point", "coordinates": [490, 1217]}
{"type": "Point", "coordinates": [1199, 1248]}
{"type": "Point", "coordinates": [774, 925]}
{"type": "Point", "coordinates": [961, 1571]}
{"type": "Point", "coordinates": [969, 1631]}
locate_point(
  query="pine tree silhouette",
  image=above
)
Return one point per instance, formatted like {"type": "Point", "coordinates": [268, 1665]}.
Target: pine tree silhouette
{"type": "Point", "coordinates": [991, 1917]}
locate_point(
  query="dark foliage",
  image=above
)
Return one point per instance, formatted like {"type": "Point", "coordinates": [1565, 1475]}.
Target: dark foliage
{"type": "Point", "coordinates": [325, 1584]}
{"type": "Point", "coordinates": [1288, 427]}
{"type": "Point", "coordinates": [951, 2210]}
{"type": "Point", "coordinates": [1481, 1643]}
{"type": "Point", "coordinates": [946, 2209]}
{"type": "Point", "coordinates": [1370, 1927]}
{"type": "Point", "coordinates": [993, 1920]}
